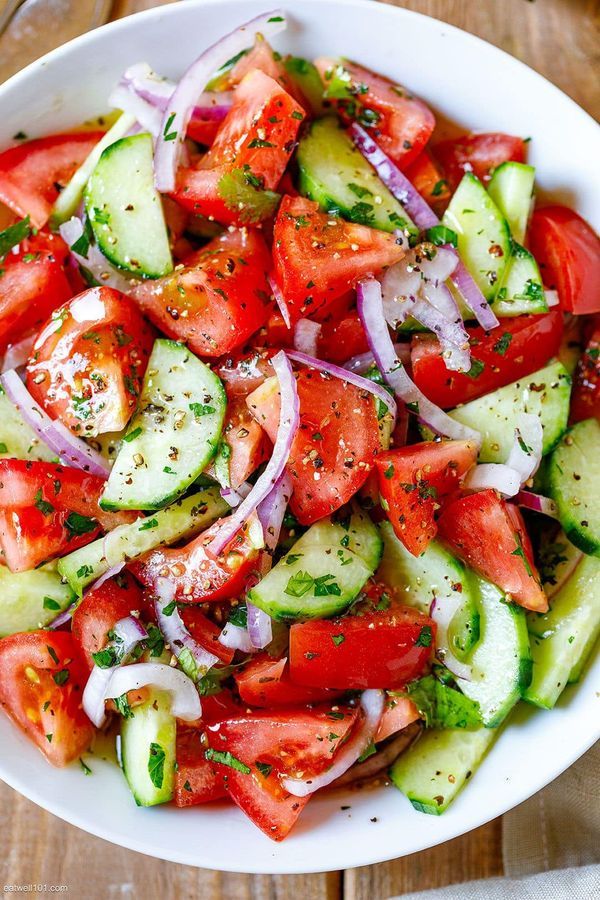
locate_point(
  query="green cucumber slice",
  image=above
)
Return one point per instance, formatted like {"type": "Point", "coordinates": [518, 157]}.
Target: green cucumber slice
{"type": "Point", "coordinates": [511, 189]}
{"type": "Point", "coordinates": [483, 233]}
{"type": "Point", "coordinates": [435, 573]}
{"type": "Point", "coordinates": [324, 571]}
{"type": "Point", "coordinates": [30, 600]}
{"type": "Point", "coordinates": [148, 750]}
{"type": "Point", "coordinates": [183, 519]}
{"type": "Point", "coordinates": [306, 76]}
{"type": "Point", "coordinates": [501, 661]}
{"type": "Point", "coordinates": [563, 638]}
{"type": "Point", "coordinates": [125, 210]}
{"type": "Point", "coordinates": [574, 485]}
{"type": "Point", "coordinates": [335, 174]}
{"type": "Point", "coordinates": [520, 291]}
{"type": "Point", "coordinates": [437, 766]}
{"type": "Point", "coordinates": [17, 439]}
{"type": "Point", "coordinates": [173, 435]}
{"type": "Point", "coordinates": [545, 393]}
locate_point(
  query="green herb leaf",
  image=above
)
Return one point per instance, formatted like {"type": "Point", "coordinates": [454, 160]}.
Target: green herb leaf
{"type": "Point", "coordinates": [425, 637]}
{"type": "Point", "coordinates": [61, 677]}
{"type": "Point", "coordinates": [227, 759]}
{"type": "Point", "coordinates": [123, 707]}
{"type": "Point", "coordinates": [201, 409]}
{"type": "Point", "coordinates": [80, 524]}
{"type": "Point", "coordinates": [442, 706]}
{"type": "Point", "coordinates": [85, 767]}
{"type": "Point", "coordinates": [156, 765]}
{"type": "Point", "coordinates": [299, 584]}
{"type": "Point", "coordinates": [369, 750]}
{"type": "Point", "coordinates": [44, 507]}
{"type": "Point", "coordinates": [476, 369]}
{"type": "Point", "coordinates": [239, 615]}
{"type": "Point", "coordinates": [338, 639]}
{"type": "Point", "coordinates": [13, 235]}
{"type": "Point", "coordinates": [264, 768]}
{"type": "Point", "coordinates": [441, 234]}
{"type": "Point", "coordinates": [148, 524]}
{"type": "Point", "coordinates": [503, 343]}
{"type": "Point", "coordinates": [132, 435]}
{"type": "Point", "coordinates": [49, 603]}
{"type": "Point", "coordinates": [239, 193]}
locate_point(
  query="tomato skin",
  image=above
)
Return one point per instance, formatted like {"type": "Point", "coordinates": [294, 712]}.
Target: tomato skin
{"type": "Point", "coordinates": [427, 178]}
{"type": "Point", "coordinates": [568, 252]}
{"type": "Point", "coordinates": [265, 681]}
{"type": "Point", "coordinates": [477, 153]}
{"type": "Point", "coordinates": [585, 399]}
{"type": "Point", "coordinates": [199, 578]}
{"type": "Point", "coordinates": [30, 172]}
{"type": "Point", "coordinates": [88, 362]}
{"type": "Point", "coordinates": [207, 634]}
{"type": "Point", "coordinates": [262, 57]}
{"type": "Point", "coordinates": [413, 482]}
{"type": "Point", "coordinates": [378, 649]}
{"type": "Point", "coordinates": [257, 136]}
{"type": "Point", "coordinates": [189, 305]}
{"type": "Point", "coordinates": [325, 445]}
{"type": "Point", "coordinates": [518, 347]}
{"type": "Point", "coordinates": [100, 610]}
{"type": "Point", "coordinates": [399, 712]}
{"type": "Point", "coordinates": [248, 444]}
{"type": "Point", "coordinates": [485, 531]}
{"type": "Point", "coordinates": [400, 123]}
{"type": "Point", "coordinates": [243, 373]}
{"type": "Point", "coordinates": [340, 340]}
{"type": "Point", "coordinates": [196, 779]}
{"type": "Point", "coordinates": [36, 703]}
{"type": "Point", "coordinates": [308, 273]}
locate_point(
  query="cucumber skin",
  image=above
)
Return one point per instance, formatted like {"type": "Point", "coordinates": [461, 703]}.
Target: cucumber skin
{"type": "Point", "coordinates": [25, 592]}
{"type": "Point", "coordinates": [151, 722]}
{"type": "Point", "coordinates": [505, 176]}
{"type": "Point", "coordinates": [584, 540]}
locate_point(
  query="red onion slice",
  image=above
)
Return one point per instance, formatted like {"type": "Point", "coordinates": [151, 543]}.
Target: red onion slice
{"type": "Point", "coordinates": [363, 362]}
{"type": "Point", "coordinates": [72, 450]}
{"type": "Point", "coordinates": [493, 476]}
{"type": "Point", "coordinates": [128, 633]}
{"type": "Point", "coordinates": [289, 419]}
{"type": "Point", "coordinates": [537, 503]}
{"type": "Point", "coordinates": [471, 293]}
{"type": "Point", "coordinates": [110, 573]}
{"type": "Point", "coordinates": [372, 703]}
{"type": "Point", "coordinates": [442, 612]}
{"type": "Point", "coordinates": [96, 264]}
{"type": "Point", "coordinates": [236, 638]}
{"type": "Point", "coordinates": [185, 701]}
{"type": "Point", "coordinates": [452, 335]}
{"type": "Point", "coordinates": [552, 298]}
{"type": "Point", "coordinates": [174, 631]}
{"type": "Point", "coordinates": [364, 384]}
{"type": "Point", "coordinates": [526, 453]}
{"type": "Point", "coordinates": [18, 354]}
{"type": "Point", "coordinates": [179, 110]}
{"type": "Point", "coordinates": [141, 80]}
{"type": "Point", "coordinates": [280, 301]}
{"type": "Point", "coordinates": [306, 336]}
{"type": "Point", "coordinates": [370, 311]}
{"type": "Point", "coordinates": [63, 617]}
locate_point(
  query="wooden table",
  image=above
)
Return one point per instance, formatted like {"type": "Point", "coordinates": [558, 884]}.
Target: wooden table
{"type": "Point", "coordinates": [559, 38]}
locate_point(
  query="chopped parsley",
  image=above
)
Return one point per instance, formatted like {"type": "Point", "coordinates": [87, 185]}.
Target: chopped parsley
{"type": "Point", "coordinates": [264, 768]}
{"type": "Point", "coordinates": [425, 637]}
{"type": "Point", "coordinates": [503, 343]}
{"type": "Point", "coordinates": [13, 235]}
{"type": "Point", "coordinates": [156, 765]}
{"type": "Point", "coordinates": [49, 603]}
{"type": "Point", "coordinates": [227, 759]}
{"type": "Point", "coordinates": [61, 677]}
{"type": "Point", "coordinates": [338, 639]}
{"type": "Point", "coordinates": [80, 524]}
{"type": "Point", "coordinates": [148, 524]}
{"type": "Point", "coordinates": [476, 369]}
{"type": "Point", "coordinates": [169, 135]}
{"type": "Point", "coordinates": [132, 435]}
{"type": "Point", "coordinates": [441, 234]}
{"type": "Point", "coordinates": [201, 409]}
{"type": "Point", "coordinates": [242, 191]}
{"type": "Point", "coordinates": [44, 507]}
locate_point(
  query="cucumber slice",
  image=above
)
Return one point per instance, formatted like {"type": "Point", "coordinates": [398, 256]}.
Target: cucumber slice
{"type": "Point", "coordinates": [148, 750]}
{"type": "Point", "coordinates": [183, 519]}
{"type": "Point", "coordinates": [125, 209]}
{"type": "Point", "coordinates": [306, 76]}
{"type": "Point", "coordinates": [30, 600]}
{"type": "Point", "coordinates": [335, 174]}
{"type": "Point", "coordinates": [17, 439]}
{"type": "Point", "coordinates": [173, 435]}
{"type": "Point", "coordinates": [557, 558]}
{"type": "Point", "coordinates": [483, 233]}
{"type": "Point", "coordinates": [437, 766]}
{"type": "Point", "coordinates": [511, 189]}
{"type": "Point", "coordinates": [574, 485]}
{"type": "Point", "coordinates": [563, 638]}
{"type": "Point", "coordinates": [521, 290]}
{"type": "Point", "coordinates": [501, 661]}
{"type": "Point", "coordinates": [435, 573]}
{"type": "Point", "coordinates": [546, 394]}
{"type": "Point", "coordinates": [323, 572]}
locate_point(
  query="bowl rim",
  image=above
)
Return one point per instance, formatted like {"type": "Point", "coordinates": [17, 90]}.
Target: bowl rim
{"type": "Point", "coordinates": [369, 854]}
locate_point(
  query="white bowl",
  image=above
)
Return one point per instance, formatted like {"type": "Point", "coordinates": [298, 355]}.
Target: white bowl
{"type": "Point", "coordinates": [481, 88]}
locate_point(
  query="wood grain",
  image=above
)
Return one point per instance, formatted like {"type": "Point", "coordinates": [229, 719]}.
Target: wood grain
{"type": "Point", "coordinates": [559, 38]}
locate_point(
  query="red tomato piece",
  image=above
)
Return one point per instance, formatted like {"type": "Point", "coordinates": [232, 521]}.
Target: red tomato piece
{"type": "Point", "coordinates": [249, 154]}
{"type": "Point", "coordinates": [218, 299]}
{"type": "Point", "coordinates": [413, 482]}
{"type": "Point", "coordinates": [568, 252]}
{"type": "Point", "coordinates": [477, 153]}
{"type": "Point", "coordinates": [340, 340]}
{"type": "Point", "coordinates": [42, 677]}
{"type": "Point", "coordinates": [33, 282]}
{"type": "Point", "coordinates": [518, 347]}
{"type": "Point", "coordinates": [585, 399]}
{"type": "Point", "coordinates": [427, 178]}
{"type": "Point", "coordinates": [377, 649]}
{"type": "Point", "coordinates": [197, 780]}
{"type": "Point", "coordinates": [318, 257]}
{"type": "Point", "coordinates": [32, 173]}
{"type": "Point", "coordinates": [207, 634]}
{"type": "Point", "coordinates": [265, 681]}
{"type": "Point", "coordinates": [400, 123]}
{"type": "Point", "coordinates": [248, 444]}
{"type": "Point", "coordinates": [88, 362]}
{"type": "Point", "coordinates": [399, 712]}
{"type": "Point", "coordinates": [262, 57]}
{"type": "Point", "coordinates": [200, 578]}
{"type": "Point", "coordinates": [243, 374]}
{"type": "Point", "coordinates": [490, 536]}
{"type": "Point", "coordinates": [336, 443]}
{"type": "Point", "coordinates": [101, 609]}
{"type": "Point", "coordinates": [272, 744]}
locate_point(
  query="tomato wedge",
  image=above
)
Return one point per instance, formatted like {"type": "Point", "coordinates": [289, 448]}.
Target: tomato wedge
{"type": "Point", "coordinates": [383, 648]}
{"type": "Point", "coordinates": [101, 609]}
{"type": "Point", "coordinates": [199, 577]}
{"type": "Point", "coordinates": [335, 446]}
{"type": "Point", "coordinates": [42, 677]}
{"type": "Point", "coordinates": [248, 156]}
{"type": "Point", "coordinates": [490, 536]}
{"type": "Point", "coordinates": [265, 681]}
{"type": "Point", "coordinates": [206, 633]}
{"type": "Point", "coordinates": [318, 257]}
{"type": "Point", "coordinates": [400, 122]}
{"type": "Point", "coordinates": [89, 360]}
{"type": "Point", "coordinates": [568, 252]}
{"type": "Point", "coordinates": [414, 480]}
{"type": "Point", "coordinates": [585, 399]}
{"type": "Point", "coordinates": [32, 173]}
{"type": "Point", "coordinates": [428, 179]}
{"type": "Point", "coordinates": [518, 347]}
{"type": "Point", "coordinates": [341, 339]}
{"type": "Point", "coordinates": [196, 779]}
{"type": "Point", "coordinates": [477, 153]}
{"type": "Point", "coordinates": [247, 444]}
{"type": "Point", "coordinates": [218, 299]}
{"type": "Point", "coordinates": [399, 712]}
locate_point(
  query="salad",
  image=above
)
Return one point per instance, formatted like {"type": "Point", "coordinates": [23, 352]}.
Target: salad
{"type": "Point", "coordinates": [299, 436]}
